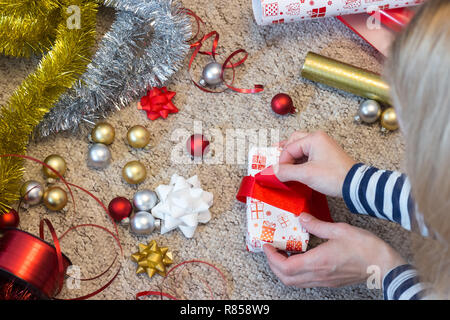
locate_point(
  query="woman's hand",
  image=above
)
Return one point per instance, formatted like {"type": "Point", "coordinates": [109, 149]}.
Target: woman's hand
{"type": "Point", "coordinates": [340, 261]}
{"type": "Point", "coordinates": [316, 160]}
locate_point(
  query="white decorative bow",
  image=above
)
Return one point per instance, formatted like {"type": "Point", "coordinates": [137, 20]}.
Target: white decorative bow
{"type": "Point", "coordinates": [184, 204]}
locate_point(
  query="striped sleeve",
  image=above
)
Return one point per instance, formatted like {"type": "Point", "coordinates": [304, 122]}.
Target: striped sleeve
{"type": "Point", "coordinates": [403, 283]}
{"type": "Point", "coordinates": [387, 195]}
{"type": "Point", "coordinates": [382, 194]}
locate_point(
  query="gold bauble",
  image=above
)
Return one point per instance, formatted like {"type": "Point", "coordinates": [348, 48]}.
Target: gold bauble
{"type": "Point", "coordinates": [103, 133]}
{"type": "Point", "coordinates": [389, 119]}
{"type": "Point", "coordinates": [134, 172]}
{"type": "Point", "coordinates": [55, 198]}
{"type": "Point", "coordinates": [138, 136]}
{"type": "Point", "coordinates": [56, 162]}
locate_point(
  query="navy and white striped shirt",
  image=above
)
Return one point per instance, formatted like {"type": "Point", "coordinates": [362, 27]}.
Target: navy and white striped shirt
{"type": "Point", "coordinates": [387, 195]}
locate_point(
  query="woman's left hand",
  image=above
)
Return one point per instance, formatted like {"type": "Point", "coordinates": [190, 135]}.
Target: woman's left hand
{"type": "Point", "coordinates": [342, 260]}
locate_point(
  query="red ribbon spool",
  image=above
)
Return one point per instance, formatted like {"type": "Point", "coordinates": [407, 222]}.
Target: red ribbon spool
{"type": "Point", "coordinates": [29, 259]}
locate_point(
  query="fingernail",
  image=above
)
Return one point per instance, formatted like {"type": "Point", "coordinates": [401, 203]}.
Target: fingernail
{"type": "Point", "coordinates": [305, 217]}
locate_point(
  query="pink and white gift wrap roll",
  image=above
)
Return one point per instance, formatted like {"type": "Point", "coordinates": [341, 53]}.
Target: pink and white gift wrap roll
{"type": "Point", "coordinates": [266, 223]}
{"type": "Point", "coordinates": [283, 11]}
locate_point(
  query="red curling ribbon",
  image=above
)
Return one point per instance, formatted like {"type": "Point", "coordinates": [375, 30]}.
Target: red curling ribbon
{"type": "Point", "coordinates": [291, 196]}
{"type": "Point", "coordinates": [99, 275]}
{"type": "Point", "coordinates": [163, 294]}
{"type": "Point", "coordinates": [116, 238]}
{"type": "Point", "coordinates": [197, 46]}
{"type": "Point", "coordinates": [257, 88]}
{"type": "Point", "coordinates": [154, 293]}
{"type": "Point", "coordinates": [198, 20]}
{"type": "Point", "coordinates": [59, 256]}
{"type": "Point", "coordinates": [158, 103]}
{"type": "Point", "coordinates": [89, 295]}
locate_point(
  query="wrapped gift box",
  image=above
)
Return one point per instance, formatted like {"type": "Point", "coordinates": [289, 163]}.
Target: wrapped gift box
{"type": "Point", "coordinates": [266, 223]}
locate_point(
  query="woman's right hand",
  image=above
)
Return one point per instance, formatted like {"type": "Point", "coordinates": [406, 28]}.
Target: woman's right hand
{"type": "Point", "coordinates": [316, 160]}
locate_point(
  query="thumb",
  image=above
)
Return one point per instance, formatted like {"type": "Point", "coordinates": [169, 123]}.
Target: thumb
{"type": "Point", "coordinates": [319, 228]}
{"type": "Point", "coordinates": [293, 172]}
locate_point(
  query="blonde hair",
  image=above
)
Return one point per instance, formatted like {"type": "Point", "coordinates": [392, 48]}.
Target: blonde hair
{"type": "Point", "coordinates": [418, 71]}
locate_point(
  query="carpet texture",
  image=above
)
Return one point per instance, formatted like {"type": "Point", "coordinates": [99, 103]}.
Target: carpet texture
{"type": "Point", "coordinates": [276, 57]}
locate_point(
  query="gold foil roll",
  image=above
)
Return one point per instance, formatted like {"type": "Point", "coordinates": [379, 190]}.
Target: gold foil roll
{"type": "Point", "coordinates": [345, 77]}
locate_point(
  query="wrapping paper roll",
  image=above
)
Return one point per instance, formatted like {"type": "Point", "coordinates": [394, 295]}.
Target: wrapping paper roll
{"type": "Point", "coordinates": [345, 77]}
{"type": "Point", "coordinates": [282, 11]}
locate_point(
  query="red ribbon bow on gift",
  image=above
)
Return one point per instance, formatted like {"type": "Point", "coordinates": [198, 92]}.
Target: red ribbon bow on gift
{"type": "Point", "coordinates": [158, 103]}
{"type": "Point", "coordinates": [291, 196]}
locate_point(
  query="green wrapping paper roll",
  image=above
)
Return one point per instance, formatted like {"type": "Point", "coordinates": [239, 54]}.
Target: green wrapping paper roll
{"type": "Point", "coordinates": [345, 77]}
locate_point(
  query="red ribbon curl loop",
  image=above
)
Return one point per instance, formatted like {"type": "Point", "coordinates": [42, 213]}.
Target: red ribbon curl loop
{"type": "Point", "coordinates": [59, 255]}
{"type": "Point", "coordinates": [167, 295]}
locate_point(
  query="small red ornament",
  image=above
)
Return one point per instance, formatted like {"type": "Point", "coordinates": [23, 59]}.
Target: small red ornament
{"type": "Point", "coordinates": [197, 145]}
{"type": "Point", "coordinates": [9, 219]}
{"type": "Point", "coordinates": [120, 208]}
{"type": "Point", "coordinates": [158, 103]}
{"type": "Point", "coordinates": [282, 104]}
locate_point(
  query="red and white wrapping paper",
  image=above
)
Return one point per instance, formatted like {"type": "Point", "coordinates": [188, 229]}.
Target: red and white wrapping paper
{"type": "Point", "coordinates": [266, 223]}
{"type": "Point", "coordinates": [380, 37]}
{"type": "Point", "coordinates": [283, 11]}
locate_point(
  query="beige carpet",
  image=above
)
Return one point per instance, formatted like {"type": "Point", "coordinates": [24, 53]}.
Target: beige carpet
{"type": "Point", "coordinates": [276, 57]}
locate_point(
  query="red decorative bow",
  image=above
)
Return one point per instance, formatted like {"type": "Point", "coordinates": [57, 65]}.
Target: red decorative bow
{"type": "Point", "coordinates": [158, 103]}
{"type": "Point", "coordinates": [291, 196]}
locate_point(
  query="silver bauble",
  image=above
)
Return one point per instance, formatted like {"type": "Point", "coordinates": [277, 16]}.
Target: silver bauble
{"type": "Point", "coordinates": [142, 222]}
{"type": "Point", "coordinates": [31, 192]}
{"type": "Point", "coordinates": [369, 111]}
{"type": "Point", "coordinates": [145, 200]}
{"type": "Point", "coordinates": [99, 156]}
{"type": "Point", "coordinates": [211, 74]}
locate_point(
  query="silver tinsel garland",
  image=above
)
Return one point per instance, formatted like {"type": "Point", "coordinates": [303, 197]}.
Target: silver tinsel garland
{"type": "Point", "coordinates": [125, 64]}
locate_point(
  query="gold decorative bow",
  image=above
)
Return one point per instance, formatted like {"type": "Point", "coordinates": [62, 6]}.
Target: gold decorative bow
{"type": "Point", "coordinates": [152, 259]}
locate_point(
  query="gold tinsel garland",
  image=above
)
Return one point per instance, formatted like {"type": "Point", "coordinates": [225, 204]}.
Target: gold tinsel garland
{"type": "Point", "coordinates": [22, 36]}
{"type": "Point", "coordinates": [28, 26]}
{"type": "Point", "coordinates": [57, 71]}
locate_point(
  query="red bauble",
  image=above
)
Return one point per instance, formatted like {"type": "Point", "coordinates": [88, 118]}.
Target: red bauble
{"type": "Point", "coordinates": [197, 145]}
{"type": "Point", "coordinates": [120, 208]}
{"type": "Point", "coordinates": [9, 219]}
{"type": "Point", "coordinates": [282, 104]}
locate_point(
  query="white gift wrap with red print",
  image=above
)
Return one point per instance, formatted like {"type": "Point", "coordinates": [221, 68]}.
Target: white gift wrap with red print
{"type": "Point", "coordinates": [282, 11]}
{"type": "Point", "coordinates": [266, 223]}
